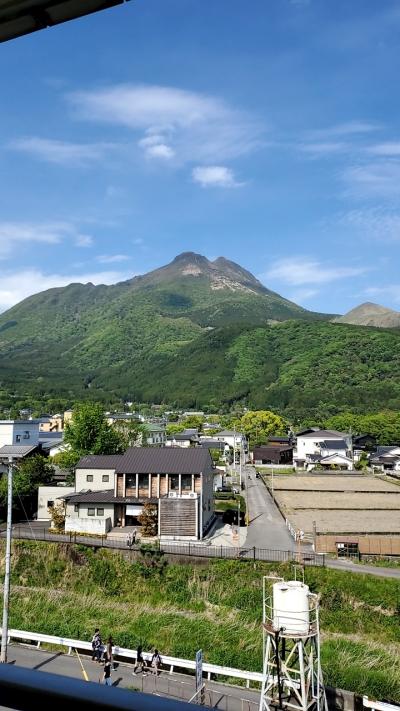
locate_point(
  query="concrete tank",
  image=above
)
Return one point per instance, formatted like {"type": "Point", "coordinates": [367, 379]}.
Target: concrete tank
{"type": "Point", "coordinates": [291, 611]}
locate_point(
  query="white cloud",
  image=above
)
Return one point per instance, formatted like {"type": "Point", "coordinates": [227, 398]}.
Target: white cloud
{"type": "Point", "coordinates": [193, 126]}
{"type": "Point", "coordinates": [15, 286]}
{"type": "Point", "coordinates": [83, 240]}
{"type": "Point", "coordinates": [378, 223]}
{"type": "Point", "coordinates": [297, 271]}
{"type": "Point", "coordinates": [389, 148]}
{"type": "Point", "coordinates": [377, 180]}
{"type": "Point", "coordinates": [349, 128]}
{"type": "Point", "coordinates": [13, 233]}
{"type": "Point", "coordinates": [214, 176]}
{"type": "Point", "coordinates": [61, 152]}
{"type": "Point", "coordinates": [323, 149]}
{"type": "Point", "coordinates": [112, 258]}
{"type": "Point", "coordinates": [391, 291]}
{"type": "Point", "coordinates": [302, 296]}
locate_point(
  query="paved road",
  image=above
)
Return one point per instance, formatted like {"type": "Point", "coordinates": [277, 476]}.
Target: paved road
{"type": "Point", "coordinates": [348, 565]}
{"type": "Point", "coordinates": [181, 686]}
{"type": "Point", "coordinates": [267, 528]}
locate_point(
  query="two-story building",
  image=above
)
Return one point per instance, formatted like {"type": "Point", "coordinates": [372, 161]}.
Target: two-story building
{"type": "Point", "coordinates": [18, 439]}
{"type": "Point", "coordinates": [323, 447]}
{"type": "Point", "coordinates": [111, 490]}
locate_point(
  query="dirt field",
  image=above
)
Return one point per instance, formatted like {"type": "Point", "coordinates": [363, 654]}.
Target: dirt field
{"type": "Point", "coordinates": [345, 504]}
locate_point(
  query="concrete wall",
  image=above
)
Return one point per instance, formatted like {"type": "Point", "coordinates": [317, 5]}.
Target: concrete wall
{"type": "Point", "coordinates": [83, 511]}
{"type": "Point", "coordinates": [99, 526]}
{"type": "Point", "coordinates": [81, 482]}
{"type": "Point", "coordinates": [50, 493]}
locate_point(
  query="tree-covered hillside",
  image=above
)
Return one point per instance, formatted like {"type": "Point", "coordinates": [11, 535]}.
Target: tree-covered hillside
{"type": "Point", "coordinates": [194, 333]}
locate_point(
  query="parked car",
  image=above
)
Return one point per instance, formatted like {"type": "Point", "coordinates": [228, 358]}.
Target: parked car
{"type": "Point", "coordinates": [224, 489]}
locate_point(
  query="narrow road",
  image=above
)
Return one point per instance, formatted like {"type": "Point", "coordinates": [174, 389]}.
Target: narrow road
{"type": "Point", "coordinates": [349, 566]}
{"type": "Point", "coordinates": [266, 528]}
{"type": "Point", "coordinates": [179, 686]}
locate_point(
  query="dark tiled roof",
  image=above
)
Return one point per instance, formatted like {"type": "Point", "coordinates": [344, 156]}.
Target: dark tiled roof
{"type": "Point", "coordinates": [17, 450]}
{"type": "Point", "coordinates": [99, 461]}
{"type": "Point", "coordinates": [323, 433]}
{"type": "Point", "coordinates": [212, 444]}
{"type": "Point", "coordinates": [103, 497]}
{"type": "Point", "coordinates": [264, 449]}
{"type": "Point", "coordinates": [182, 437]}
{"type": "Point", "coordinates": [146, 460]}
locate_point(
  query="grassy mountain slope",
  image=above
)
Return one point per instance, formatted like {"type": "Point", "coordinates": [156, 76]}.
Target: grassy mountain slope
{"type": "Point", "coordinates": [369, 314]}
{"type": "Point", "coordinates": [197, 333]}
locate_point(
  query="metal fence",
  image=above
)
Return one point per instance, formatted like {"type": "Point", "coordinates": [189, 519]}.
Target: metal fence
{"type": "Point", "coordinates": [187, 549]}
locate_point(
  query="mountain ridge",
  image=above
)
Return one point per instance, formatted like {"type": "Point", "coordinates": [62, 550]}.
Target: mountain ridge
{"type": "Point", "coordinates": [194, 332]}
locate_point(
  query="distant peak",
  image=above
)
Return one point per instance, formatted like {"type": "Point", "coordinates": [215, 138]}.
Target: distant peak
{"type": "Point", "coordinates": [191, 257]}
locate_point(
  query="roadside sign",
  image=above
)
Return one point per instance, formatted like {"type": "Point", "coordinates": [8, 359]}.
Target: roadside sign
{"type": "Point", "coordinates": [199, 669]}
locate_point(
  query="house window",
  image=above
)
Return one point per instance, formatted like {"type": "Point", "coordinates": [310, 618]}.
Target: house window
{"type": "Point", "coordinates": [100, 512]}
{"type": "Point", "coordinates": [131, 481]}
{"type": "Point", "coordinates": [174, 482]}
{"type": "Point", "coordinates": [26, 434]}
{"type": "Point", "coordinates": [105, 477]}
{"type": "Point", "coordinates": [186, 482]}
{"type": "Point", "coordinates": [50, 504]}
{"type": "Point", "coordinates": [17, 438]}
{"type": "Point", "coordinates": [91, 511]}
{"type": "Point", "coordinates": [143, 481]}
{"type": "Point", "coordinates": [89, 477]}
{"type": "Point", "coordinates": [76, 508]}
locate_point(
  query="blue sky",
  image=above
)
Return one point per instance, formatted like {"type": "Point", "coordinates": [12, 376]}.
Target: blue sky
{"type": "Point", "coordinates": [267, 132]}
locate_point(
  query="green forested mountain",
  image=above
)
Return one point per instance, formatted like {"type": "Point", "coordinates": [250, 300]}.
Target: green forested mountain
{"type": "Point", "coordinates": [194, 333]}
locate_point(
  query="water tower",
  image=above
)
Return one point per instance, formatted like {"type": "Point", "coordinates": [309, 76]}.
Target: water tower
{"type": "Point", "coordinates": [292, 677]}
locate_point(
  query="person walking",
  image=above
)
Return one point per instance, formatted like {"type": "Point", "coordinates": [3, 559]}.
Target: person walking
{"type": "Point", "coordinates": [109, 651]}
{"type": "Point", "coordinates": [96, 646]}
{"type": "Point", "coordinates": [107, 671]}
{"type": "Point", "coordinates": [156, 662]}
{"type": "Point", "coordinates": [134, 534]}
{"type": "Point", "coordinates": [140, 662]}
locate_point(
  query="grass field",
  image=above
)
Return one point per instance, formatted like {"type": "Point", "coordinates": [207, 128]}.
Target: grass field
{"type": "Point", "coordinates": [58, 589]}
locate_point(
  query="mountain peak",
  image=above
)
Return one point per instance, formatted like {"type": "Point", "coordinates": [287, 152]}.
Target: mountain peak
{"type": "Point", "coordinates": [370, 314]}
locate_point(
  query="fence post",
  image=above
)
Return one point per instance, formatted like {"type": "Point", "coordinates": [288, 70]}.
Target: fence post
{"type": "Point", "coordinates": [189, 547]}
{"type": "Point", "coordinates": [254, 554]}
{"type": "Point", "coordinates": [221, 552]}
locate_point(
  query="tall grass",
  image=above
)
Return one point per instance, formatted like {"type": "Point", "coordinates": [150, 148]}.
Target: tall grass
{"type": "Point", "coordinates": [70, 591]}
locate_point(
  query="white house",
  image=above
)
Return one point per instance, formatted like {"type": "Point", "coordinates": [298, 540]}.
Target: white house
{"type": "Point", "coordinates": [325, 447]}
{"type": "Point", "coordinates": [386, 458]}
{"type": "Point", "coordinates": [236, 440]}
{"type": "Point", "coordinates": [48, 496]}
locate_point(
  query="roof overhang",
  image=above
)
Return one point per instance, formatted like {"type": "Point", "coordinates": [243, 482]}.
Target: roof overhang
{"type": "Point", "coordinates": [20, 17]}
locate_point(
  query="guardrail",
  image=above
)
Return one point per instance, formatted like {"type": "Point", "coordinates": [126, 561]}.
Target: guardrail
{"type": "Point", "coordinates": [171, 663]}
{"type": "Point", "coordinates": [379, 705]}
{"type": "Point", "coordinates": [187, 549]}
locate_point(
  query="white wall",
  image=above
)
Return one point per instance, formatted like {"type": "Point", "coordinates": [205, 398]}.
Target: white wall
{"type": "Point", "coordinates": [100, 526]}
{"type": "Point", "coordinates": [50, 493]}
{"type": "Point", "coordinates": [308, 445]}
{"type": "Point", "coordinates": [82, 484]}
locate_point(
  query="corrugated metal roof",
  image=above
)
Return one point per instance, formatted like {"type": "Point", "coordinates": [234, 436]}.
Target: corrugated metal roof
{"type": "Point", "coordinates": [145, 460]}
{"type": "Point", "coordinates": [99, 461]}
{"type": "Point", "coordinates": [19, 17]}
{"type": "Point", "coordinates": [16, 450]}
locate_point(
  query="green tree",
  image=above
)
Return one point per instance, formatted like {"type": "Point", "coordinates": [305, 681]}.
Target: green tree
{"type": "Point", "coordinates": [90, 433]}
{"type": "Point", "coordinates": [28, 475]}
{"type": "Point", "coordinates": [384, 426]}
{"type": "Point", "coordinates": [258, 425]}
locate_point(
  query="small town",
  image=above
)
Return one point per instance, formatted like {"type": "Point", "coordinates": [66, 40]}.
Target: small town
{"type": "Point", "coordinates": [199, 355]}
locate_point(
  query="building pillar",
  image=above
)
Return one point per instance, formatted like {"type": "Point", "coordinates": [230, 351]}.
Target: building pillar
{"type": "Point", "coordinates": [193, 487]}
{"type": "Point", "coordinates": [180, 485]}
{"type": "Point", "coordinates": [137, 486]}
{"type": "Point", "coordinates": [150, 475]}
{"type": "Point", "coordinates": [158, 486]}
{"type": "Point", "coordinates": [124, 485]}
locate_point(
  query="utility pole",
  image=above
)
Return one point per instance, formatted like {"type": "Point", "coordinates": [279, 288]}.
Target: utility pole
{"type": "Point", "coordinates": [6, 589]}
{"type": "Point", "coordinates": [272, 481]}
{"type": "Point", "coordinates": [240, 466]}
